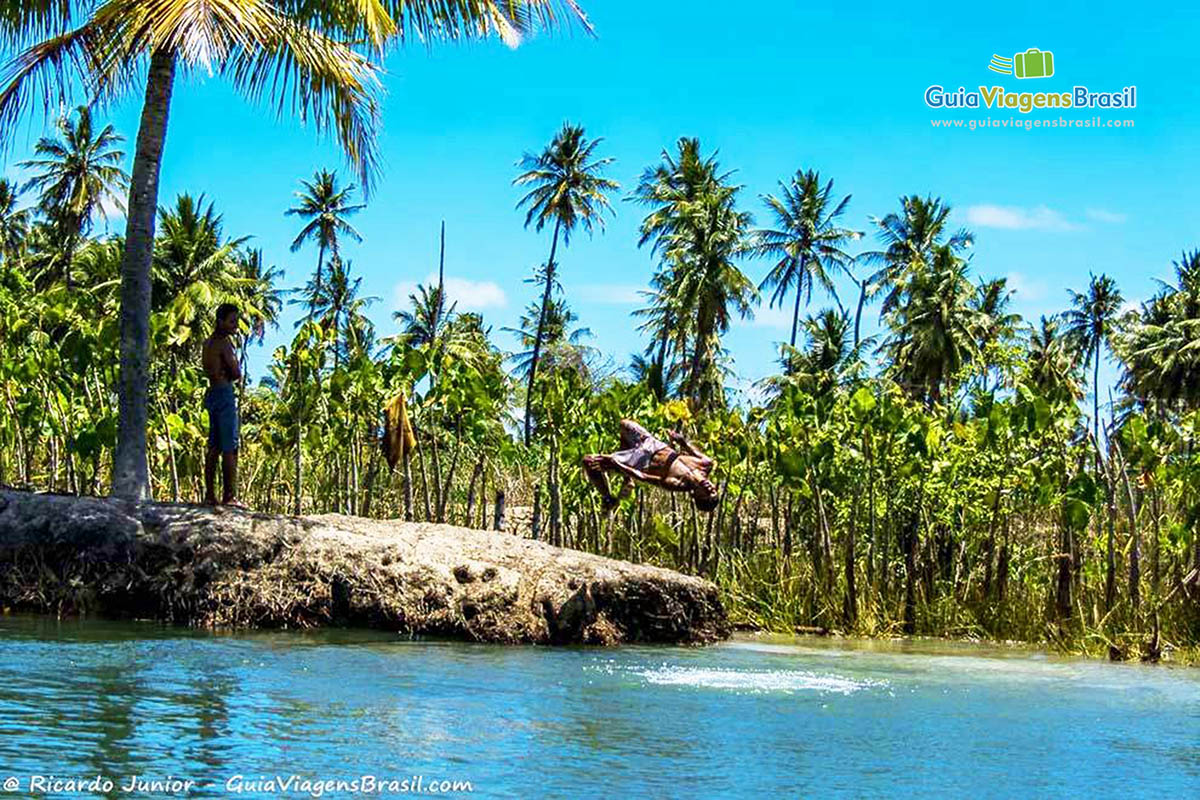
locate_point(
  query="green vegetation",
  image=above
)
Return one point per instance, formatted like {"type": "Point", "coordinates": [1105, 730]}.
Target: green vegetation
{"type": "Point", "coordinates": [940, 478]}
{"type": "Point", "coordinates": [320, 61]}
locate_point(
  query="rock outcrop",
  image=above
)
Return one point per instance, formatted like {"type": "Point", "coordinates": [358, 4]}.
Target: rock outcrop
{"type": "Point", "coordinates": [229, 568]}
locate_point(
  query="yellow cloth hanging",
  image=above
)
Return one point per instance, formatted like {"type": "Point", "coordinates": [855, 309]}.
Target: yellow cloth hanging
{"type": "Point", "coordinates": [398, 436]}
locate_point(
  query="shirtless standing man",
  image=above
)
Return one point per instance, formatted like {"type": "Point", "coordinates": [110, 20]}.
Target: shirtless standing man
{"type": "Point", "coordinates": [221, 365]}
{"type": "Point", "coordinates": [650, 460]}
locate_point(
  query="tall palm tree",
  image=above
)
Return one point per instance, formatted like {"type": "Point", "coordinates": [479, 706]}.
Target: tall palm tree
{"type": "Point", "coordinates": [195, 268]}
{"type": "Point", "coordinates": [75, 174]}
{"type": "Point", "coordinates": [318, 59]}
{"type": "Point", "coordinates": [562, 343]}
{"type": "Point", "coordinates": [828, 359]}
{"type": "Point", "coordinates": [997, 324]}
{"type": "Point", "coordinates": [1051, 366]}
{"type": "Point", "coordinates": [935, 327]}
{"type": "Point", "coordinates": [266, 297]}
{"type": "Point", "coordinates": [324, 206]}
{"type": "Point", "coordinates": [338, 307]}
{"type": "Point", "coordinates": [14, 222]}
{"type": "Point", "coordinates": [1089, 325]}
{"type": "Point", "coordinates": [1160, 345]}
{"type": "Point", "coordinates": [568, 188]}
{"type": "Point", "coordinates": [910, 239]}
{"type": "Point", "coordinates": [665, 324]}
{"type": "Point", "coordinates": [699, 234]}
{"type": "Point", "coordinates": [807, 241]}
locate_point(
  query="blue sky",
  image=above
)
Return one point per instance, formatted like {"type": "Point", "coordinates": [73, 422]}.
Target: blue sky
{"type": "Point", "coordinates": [773, 86]}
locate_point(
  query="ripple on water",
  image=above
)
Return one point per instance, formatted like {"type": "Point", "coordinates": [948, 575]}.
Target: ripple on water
{"type": "Point", "coordinates": [754, 681]}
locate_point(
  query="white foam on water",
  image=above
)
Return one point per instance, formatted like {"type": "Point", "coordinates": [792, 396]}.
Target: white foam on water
{"type": "Point", "coordinates": [753, 681]}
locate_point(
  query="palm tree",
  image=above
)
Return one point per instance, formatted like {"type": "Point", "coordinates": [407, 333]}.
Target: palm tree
{"type": "Point", "coordinates": [1089, 325]}
{"type": "Point", "coordinates": [997, 325]}
{"type": "Point", "coordinates": [568, 188]}
{"type": "Point", "coordinates": [75, 174]}
{"type": "Point", "coordinates": [562, 343]}
{"type": "Point", "coordinates": [910, 239]}
{"type": "Point", "coordinates": [699, 234]}
{"type": "Point", "coordinates": [666, 327]}
{"type": "Point", "coordinates": [807, 241]}
{"type": "Point", "coordinates": [265, 298]}
{"type": "Point", "coordinates": [195, 268]}
{"type": "Point", "coordinates": [338, 307]}
{"type": "Point", "coordinates": [318, 59]}
{"type": "Point", "coordinates": [935, 327]}
{"type": "Point", "coordinates": [1051, 366]}
{"type": "Point", "coordinates": [14, 222]}
{"type": "Point", "coordinates": [325, 207]}
{"type": "Point", "coordinates": [1160, 346]}
{"type": "Point", "coordinates": [829, 357]}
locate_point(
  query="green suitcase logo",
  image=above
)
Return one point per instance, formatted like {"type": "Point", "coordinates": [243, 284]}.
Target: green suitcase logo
{"type": "Point", "coordinates": [1033, 63]}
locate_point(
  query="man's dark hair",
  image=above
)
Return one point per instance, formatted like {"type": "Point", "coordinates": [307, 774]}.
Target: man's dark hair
{"type": "Point", "coordinates": [225, 309]}
{"type": "Point", "coordinates": [707, 502]}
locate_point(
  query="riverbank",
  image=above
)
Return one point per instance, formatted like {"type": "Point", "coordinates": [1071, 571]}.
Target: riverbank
{"type": "Point", "coordinates": [1127, 646]}
{"type": "Point", "coordinates": [226, 568]}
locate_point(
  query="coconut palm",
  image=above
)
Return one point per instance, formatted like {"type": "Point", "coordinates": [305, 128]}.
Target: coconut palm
{"type": "Point", "coordinates": [568, 189]}
{"type": "Point", "coordinates": [324, 206]}
{"type": "Point", "coordinates": [262, 282]}
{"type": "Point", "coordinates": [562, 343]}
{"type": "Point", "coordinates": [910, 239]}
{"type": "Point", "coordinates": [14, 222]}
{"type": "Point", "coordinates": [997, 324]}
{"type": "Point", "coordinates": [76, 174]}
{"type": "Point", "coordinates": [667, 329]}
{"type": "Point", "coordinates": [1160, 345]}
{"type": "Point", "coordinates": [195, 268]}
{"type": "Point", "coordinates": [1051, 366]}
{"type": "Point", "coordinates": [699, 233]}
{"type": "Point", "coordinates": [317, 59]}
{"type": "Point", "coordinates": [829, 357]}
{"type": "Point", "coordinates": [806, 242]}
{"type": "Point", "coordinates": [935, 328]}
{"type": "Point", "coordinates": [339, 307]}
{"type": "Point", "coordinates": [1089, 324]}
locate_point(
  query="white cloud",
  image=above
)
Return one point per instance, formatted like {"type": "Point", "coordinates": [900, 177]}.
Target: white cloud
{"type": "Point", "coordinates": [779, 317]}
{"type": "Point", "coordinates": [1027, 289]}
{"type": "Point", "coordinates": [608, 293]}
{"type": "Point", "coordinates": [1018, 218]}
{"type": "Point", "coordinates": [1101, 215]}
{"type": "Point", "coordinates": [1130, 305]}
{"type": "Point", "coordinates": [468, 294]}
{"type": "Point", "coordinates": [112, 210]}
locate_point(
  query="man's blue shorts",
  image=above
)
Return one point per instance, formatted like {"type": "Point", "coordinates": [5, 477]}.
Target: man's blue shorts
{"type": "Point", "coordinates": [222, 419]}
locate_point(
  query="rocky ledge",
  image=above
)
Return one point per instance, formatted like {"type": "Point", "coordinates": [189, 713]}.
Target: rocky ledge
{"type": "Point", "coordinates": [233, 569]}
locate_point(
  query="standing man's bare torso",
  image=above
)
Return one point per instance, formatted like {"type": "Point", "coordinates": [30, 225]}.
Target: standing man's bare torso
{"type": "Point", "coordinates": [218, 360]}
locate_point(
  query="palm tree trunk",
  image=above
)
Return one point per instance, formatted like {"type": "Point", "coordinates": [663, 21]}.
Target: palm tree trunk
{"type": "Point", "coordinates": [796, 308]}
{"type": "Point", "coordinates": [298, 486]}
{"type": "Point", "coordinates": [537, 341]}
{"type": "Point", "coordinates": [1096, 403]}
{"type": "Point", "coordinates": [131, 474]}
{"type": "Point", "coordinates": [862, 298]}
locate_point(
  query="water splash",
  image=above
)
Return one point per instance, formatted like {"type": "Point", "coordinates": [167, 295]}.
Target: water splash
{"type": "Point", "coordinates": [754, 681]}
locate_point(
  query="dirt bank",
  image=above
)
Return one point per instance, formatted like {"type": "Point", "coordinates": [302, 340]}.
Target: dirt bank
{"type": "Point", "coordinates": [226, 568]}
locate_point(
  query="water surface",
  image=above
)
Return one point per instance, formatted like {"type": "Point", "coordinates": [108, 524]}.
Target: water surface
{"type": "Point", "coordinates": [757, 717]}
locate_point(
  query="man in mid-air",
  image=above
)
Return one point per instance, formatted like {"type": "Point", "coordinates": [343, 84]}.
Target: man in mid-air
{"type": "Point", "coordinates": [653, 461]}
{"type": "Point", "coordinates": [221, 365]}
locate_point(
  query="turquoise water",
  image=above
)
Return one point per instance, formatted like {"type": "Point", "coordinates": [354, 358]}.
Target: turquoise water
{"type": "Point", "coordinates": [758, 717]}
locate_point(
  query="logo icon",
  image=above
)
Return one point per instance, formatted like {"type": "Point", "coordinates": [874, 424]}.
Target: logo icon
{"type": "Point", "coordinates": [1033, 63]}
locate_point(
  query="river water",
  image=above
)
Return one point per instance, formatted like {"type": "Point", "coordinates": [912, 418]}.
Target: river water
{"type": "Point", "coordinates": [758, 717]}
